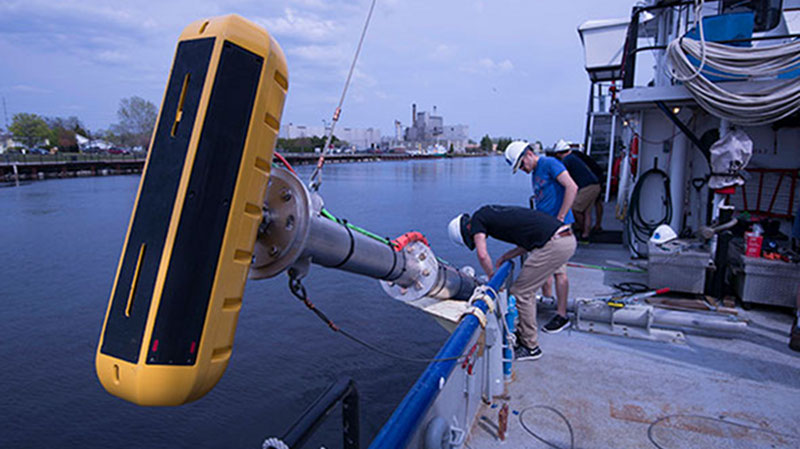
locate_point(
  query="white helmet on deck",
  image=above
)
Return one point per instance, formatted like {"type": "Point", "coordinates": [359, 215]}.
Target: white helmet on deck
{"type": "Point", "coordinates": [514, 152]}
{"type": "Point", "coordinates": [456, 231]}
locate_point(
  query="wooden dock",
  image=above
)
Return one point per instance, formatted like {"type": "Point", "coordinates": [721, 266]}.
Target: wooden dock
{"type": "Point", "coordinates": [15, 167]}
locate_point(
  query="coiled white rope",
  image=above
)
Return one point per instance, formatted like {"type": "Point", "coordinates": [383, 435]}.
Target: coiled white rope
{"type": "Point", "coordinates": [752, 108]}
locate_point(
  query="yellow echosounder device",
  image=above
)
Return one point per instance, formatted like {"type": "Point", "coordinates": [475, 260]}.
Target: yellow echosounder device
{"type": "Point", "coordinates": [169, 327]}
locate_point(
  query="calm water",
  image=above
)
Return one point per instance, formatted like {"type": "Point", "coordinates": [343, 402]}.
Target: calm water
{"type": "Point", "coordinates": [60, 243]}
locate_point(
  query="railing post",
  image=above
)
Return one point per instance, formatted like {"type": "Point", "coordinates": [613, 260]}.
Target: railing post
{"type": "Point", "coordinates": [351, 431]}
{"type": "Point", "coordinates": [343, 390]}
{"type": "Point", "coordinates": [629, 55]}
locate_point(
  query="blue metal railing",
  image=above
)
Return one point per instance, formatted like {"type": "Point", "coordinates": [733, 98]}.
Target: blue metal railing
{"type": "Point", "coordinates": [408, 415]}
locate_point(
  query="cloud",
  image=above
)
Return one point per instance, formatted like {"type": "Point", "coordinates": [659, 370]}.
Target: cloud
{"type": "Point", "coordinates": [300, 26]}
{"type": "Point", "coordinates": [443, 51]}
{"type": "Point", "coordinates": [320, 55]}
{"type": "Point", "coordinates": [24, 88]}
{"type": "Point", "coordinates": [313, 4]}
{"type": "Point", "coordinates": [489, 66]}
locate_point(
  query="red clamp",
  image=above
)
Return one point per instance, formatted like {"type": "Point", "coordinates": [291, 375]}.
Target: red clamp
{"type": "Point", "coordinates": [409, 237]}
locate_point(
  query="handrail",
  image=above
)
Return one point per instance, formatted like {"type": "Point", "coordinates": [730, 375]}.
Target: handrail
{"type": "Point", "coordinates": [727, 41]}
{"type": "Point", "coordinates": [344, 391]}
{"type": "Point", "coordinates": [408, 416]}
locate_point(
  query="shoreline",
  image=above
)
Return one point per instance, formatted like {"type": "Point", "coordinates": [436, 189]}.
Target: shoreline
{"type": "Point", "coordinates": [61, 166]}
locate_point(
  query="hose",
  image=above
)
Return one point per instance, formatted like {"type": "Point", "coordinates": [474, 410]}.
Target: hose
{"type": "Point", "coordinates": [637, 228]}
{"type": "Point", "coordinates": [749, 108]}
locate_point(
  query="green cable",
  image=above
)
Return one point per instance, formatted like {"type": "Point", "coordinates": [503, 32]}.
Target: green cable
{"type": "Point", "coordinates": [360, 230]}
{"type": "Point", "coordinates": [330, 216]}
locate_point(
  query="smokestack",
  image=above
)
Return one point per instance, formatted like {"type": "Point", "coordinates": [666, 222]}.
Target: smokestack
{"type": "Point", "coordinates": [434, 110]}
{"type": "Point", "coordinates": [413, 115]}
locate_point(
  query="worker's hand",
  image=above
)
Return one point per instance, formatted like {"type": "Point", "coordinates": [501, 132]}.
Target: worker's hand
{"type": "Point", "coordinates": [502, 259]}
{"type": "Point", "coordinates": [561, 218]}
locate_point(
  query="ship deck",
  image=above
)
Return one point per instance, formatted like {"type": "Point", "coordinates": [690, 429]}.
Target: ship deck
{"type": "Point", "coordinates": [616, 392]}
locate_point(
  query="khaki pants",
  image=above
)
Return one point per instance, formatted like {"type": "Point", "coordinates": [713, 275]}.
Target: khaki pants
{"type": "Point", "coordinates": [585, 198]}
{"type": "Point", "coordinates": [540, 264]}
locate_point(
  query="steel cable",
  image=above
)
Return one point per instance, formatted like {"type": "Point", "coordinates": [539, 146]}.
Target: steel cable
{"type": "Point", "coordinates": [535, 435]}
{"type": "Point", "coordinates": [316, 176]}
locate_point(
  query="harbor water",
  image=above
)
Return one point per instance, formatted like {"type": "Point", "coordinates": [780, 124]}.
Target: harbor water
{"type": "Point", "coordinates": [60, 242]}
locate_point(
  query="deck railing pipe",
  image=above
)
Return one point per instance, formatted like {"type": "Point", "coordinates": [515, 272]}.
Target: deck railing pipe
{"type": "Point", "coordinates": [408, 416]}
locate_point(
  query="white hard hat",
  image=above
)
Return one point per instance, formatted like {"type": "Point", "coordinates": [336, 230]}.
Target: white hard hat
{"type": "Point", "coordinates": [514, 152]}
{"type": "Point", "coordinates": [560, 146]}
{"type": "Point", "coordinates": [663, 234]}
{"type": "Point", "coordinates": [455, 230]}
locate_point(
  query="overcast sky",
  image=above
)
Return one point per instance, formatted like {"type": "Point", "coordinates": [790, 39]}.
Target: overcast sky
{"type": "Point", "coordinates": [504, 67]}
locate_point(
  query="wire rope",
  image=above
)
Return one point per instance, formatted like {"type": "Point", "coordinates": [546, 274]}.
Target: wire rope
{"type": "Point", "coordinates": [535, 435]}
{"type": "Point", "coordinates": [299, 291]}
{"type": "Point", "coordinates": [710, 418]}
{"type": "Point", "coordinates": [316, 176]}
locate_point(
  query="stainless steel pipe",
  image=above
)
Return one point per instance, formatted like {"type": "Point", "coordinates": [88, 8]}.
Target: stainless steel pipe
{"type": "Point", "coordinates": [295, 234]}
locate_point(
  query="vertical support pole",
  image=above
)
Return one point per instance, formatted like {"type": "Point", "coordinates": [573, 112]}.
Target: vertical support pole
{"type": "Point", "coordinates": [719, 200]}
{"type": "Point", "coordinates": [629, 57]}
{"type": "Point", "coordinates": [16, 175]}
{"type": "Point", "coordinates": [677, 176]}
{"type": "Point", "coordinates": [589, 115]}
{"type": "Point", "coordinates": [610, 167]}
{"type": "Point", "coordinates": [350, 426]}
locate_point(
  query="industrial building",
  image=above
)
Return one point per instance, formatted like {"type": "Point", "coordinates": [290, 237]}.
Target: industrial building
{"type": "Point", "coordinates": [360, 138]}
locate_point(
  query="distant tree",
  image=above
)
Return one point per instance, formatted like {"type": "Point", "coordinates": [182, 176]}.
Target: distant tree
{"type": "Point", "coordinates": [29, 129]}
{"type": "Point", "coordinates": [137, 117]}
{"type": "Point", "coordinates": [486, 144]}
{"type": "Point", "coordinates": [63, 131]}
{"type": "Point", "coordinates": [502, 143]}
{"type": "Point", "coordinates": [306, 144]}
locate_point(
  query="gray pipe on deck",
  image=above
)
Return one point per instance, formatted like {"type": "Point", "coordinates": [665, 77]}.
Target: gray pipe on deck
{"type": "Point", "coordinates": [645, 315]}
{"type": "Point", "coordinates": [295, 234]}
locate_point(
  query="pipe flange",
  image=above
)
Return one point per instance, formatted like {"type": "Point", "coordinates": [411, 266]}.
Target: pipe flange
{"type": "Point", "coordinates": [418, 278]}
{"type": "Point", "coordinates": [283, 237]}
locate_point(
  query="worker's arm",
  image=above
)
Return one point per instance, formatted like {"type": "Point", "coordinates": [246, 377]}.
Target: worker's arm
{"type": "Point", "coordinates": [570, 191]}
{"type": "Point", "coordinates": [483, 253]}
{"type": "Point", "coordinates": [510, 254]}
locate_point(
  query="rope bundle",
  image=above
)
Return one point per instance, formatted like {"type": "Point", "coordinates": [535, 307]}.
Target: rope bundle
{"type": "Point", "coordinates": [749, 108]}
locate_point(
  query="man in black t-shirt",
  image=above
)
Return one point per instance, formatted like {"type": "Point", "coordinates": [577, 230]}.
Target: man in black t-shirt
{"type": "Point", "coordinates": [547, 241]}
{"type": "Point", "coordinates": [595, 168]}
{"type": "Point", "coordinates": [588, 189]}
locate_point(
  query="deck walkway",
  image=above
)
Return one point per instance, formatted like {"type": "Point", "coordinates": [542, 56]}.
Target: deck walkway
{"type": "Point", "coordinates": [624, 393]}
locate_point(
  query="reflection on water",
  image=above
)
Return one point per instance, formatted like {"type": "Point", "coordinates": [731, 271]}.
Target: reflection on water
{"type": "Point", "coordinates": [60, 243]}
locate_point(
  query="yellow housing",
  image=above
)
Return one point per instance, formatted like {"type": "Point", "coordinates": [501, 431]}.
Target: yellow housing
{"type": "Point", "coordinates": [171, 319]}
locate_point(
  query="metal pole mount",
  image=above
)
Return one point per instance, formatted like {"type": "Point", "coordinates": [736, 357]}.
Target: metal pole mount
{"type": "Point", "coordinates": [295, 233]}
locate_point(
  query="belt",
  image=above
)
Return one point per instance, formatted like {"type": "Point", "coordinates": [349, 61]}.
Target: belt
{"type": "Point", "coordinates": [564, 231]}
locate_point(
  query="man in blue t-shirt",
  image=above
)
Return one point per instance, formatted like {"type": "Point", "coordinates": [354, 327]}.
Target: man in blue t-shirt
{"type": "Point", "coordinates": [553, 193]}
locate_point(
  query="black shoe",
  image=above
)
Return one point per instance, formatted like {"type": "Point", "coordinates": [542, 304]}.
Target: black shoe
{"type": "Point", "coordinates": [556, 325]}
{"type": "Point", "coordinates": [794, 337]}
{"type": "Point", "coordinates": [523, 352]}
